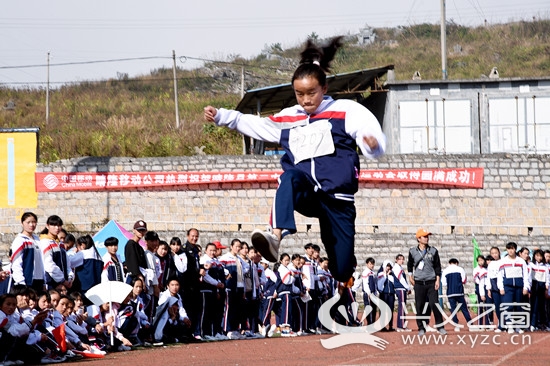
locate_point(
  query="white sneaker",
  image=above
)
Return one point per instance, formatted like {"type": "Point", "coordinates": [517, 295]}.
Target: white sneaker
{"type": "Point", "coordinates": [429, 329]}
{"type": "Point", "coordinates": [271, 330]}
{"type": "Point", "coordinates": [457, 329]}
{"type": "Point", "coordinates": [404, 330]}
{"type": "Point", "coordinates": [97, 351]}
{"type": "Point", "coordinates": [267, 244]}
{"type": "Point", "coordinates": [520, 331]}
{"type": "Point", "coordinates": [510, 330]}
{"type": "Point", "coordinates": [234, 335]}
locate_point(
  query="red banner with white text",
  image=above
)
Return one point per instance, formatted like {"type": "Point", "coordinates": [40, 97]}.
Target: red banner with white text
{"type": "Point", "coordinates": [62, 182]}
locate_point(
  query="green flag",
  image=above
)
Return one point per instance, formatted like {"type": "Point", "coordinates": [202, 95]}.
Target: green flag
{"type": "Point", "coordinates": [476, 251]}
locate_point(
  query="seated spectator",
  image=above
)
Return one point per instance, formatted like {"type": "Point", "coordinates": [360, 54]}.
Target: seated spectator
{"type": "Point", "coordinates": [171, 323]}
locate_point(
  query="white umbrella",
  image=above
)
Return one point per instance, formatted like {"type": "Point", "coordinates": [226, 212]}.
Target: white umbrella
{"type": "Point", "coordinates": [109, 292]}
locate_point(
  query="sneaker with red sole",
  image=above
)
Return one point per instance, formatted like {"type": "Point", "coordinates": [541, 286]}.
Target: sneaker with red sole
{"type": "Point", "coordinates": [267, 244]}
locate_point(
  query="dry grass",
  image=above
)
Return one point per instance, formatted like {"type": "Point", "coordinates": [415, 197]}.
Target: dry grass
{"type": "Point", "coordinates": [136, 117]}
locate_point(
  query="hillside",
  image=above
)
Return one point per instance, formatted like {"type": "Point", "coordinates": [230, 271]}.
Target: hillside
{"type": "Point", "coordinates": [136, 117]}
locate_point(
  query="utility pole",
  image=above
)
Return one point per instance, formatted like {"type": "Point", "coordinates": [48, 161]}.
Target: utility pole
{"type": "Point", "coordinates": [176, 90]}
{"type": "Point", "coordinates": [443, 42]}
{"type": "Point", "coordinates": [48, 89]}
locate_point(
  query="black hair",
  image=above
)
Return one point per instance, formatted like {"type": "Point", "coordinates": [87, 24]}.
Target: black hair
{"type": "Point", "coordinates": [295, 256]}
{"type": "Point", "coordinates": [244, 243]}
{"type": "Point", "coordinates": [511, 245]}
{"type": "Point", "coordinates": [484, 260]}
{"type": "Point", "coordinates": [163, 243]}
{"type": "Point", "coordinates": [28, 214]}
{"type": "Point", "coordinates": [110, 241]}
{"type": "Point", "coordinates": [538, 251]}
{"type": "Point", "coordinates": [399, 256]}
{"type": "Point", "coordinates": [308, 245]}
{"type": "Point", "coordinates": [39, 295]}
{"type": "Point", "coordinates": [234, 241]}
{"type": "Point", "coordinates": [52, 220]}
{"type": "Point", "coordinates": [370, 260]}
{"type": "Point", "coordinates": [87, 240]}
{"type": "Point", "coordinates": [4, 297]}
{"type": "Point", "coordinates": [175, 240]}
{"type": "Point", "coordinates": [70, 238]}
{"type": "Point", "coordinates": [135, 279]}
{"type": "Point", "coordinates": [151, 235]}
{"type": "Point", "coordinates": [61, 296]}
{"type": "Point", "coordinates": [315, 61]}
{"type": "Point", "coordinates": [173, 278]}
{"type": "Point", "coordinates": [316, 248]}
{"type": "Point", "coordinates": [523, 249]}
{"type": "Point", "coordinates": [283, 256]}
{"type": "Point", "coordinates": [20, 290]}
{"type": "Point", "coordinates": [453, 261]}
{"type": "Point", "coordinates": [210, 244]}
{"type": "Point", "coordinates": [75, 295]}
{"type": "Point", "coordinates": [489, 258]}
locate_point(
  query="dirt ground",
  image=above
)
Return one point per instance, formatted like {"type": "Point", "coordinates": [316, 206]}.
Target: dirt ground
{"type": "Point", "coordinates": [463, 348]}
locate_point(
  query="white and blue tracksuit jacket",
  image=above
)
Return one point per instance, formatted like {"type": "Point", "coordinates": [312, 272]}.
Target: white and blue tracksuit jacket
{"type": "Point", "coordinates": [335, 171]}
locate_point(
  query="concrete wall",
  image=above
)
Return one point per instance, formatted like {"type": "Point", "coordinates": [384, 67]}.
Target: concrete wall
{"type": "Point", "coordinates": [514, 204]}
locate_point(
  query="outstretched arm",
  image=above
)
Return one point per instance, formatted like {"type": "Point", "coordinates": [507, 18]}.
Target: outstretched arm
{"type": "Point", "coordinates": [259, 128]}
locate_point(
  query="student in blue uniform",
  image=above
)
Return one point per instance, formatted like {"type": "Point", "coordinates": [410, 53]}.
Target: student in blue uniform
{"type": "Point", "coordinates": [320, 137]}
{"type": "Point", "coordinates": [513, 283]}
{"type": "Point", "coordinates": [285, 291]}
{"type": "Point", "coordinates": [54, 256]}
{"type": "Point", "coordinates": [268, 300]}
{"type": "Point", "coordinates": [387, 282]}
{"type": "Point", "coordinates": [26, 260]}
{"type": "Point", "coordinates": [402, 288]}
{"type": "Point", "coordinates": [540, 281]}
{"type": "Point", "coordinates": [368, 279]}
{"type": "Point", "coordinates": [454, 278]}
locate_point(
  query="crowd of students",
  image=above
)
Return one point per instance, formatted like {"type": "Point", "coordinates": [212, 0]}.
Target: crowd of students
{"type": "Point", "coordinates": [520, 277]}
{"type": "Point", "coordinates": [182, 292]}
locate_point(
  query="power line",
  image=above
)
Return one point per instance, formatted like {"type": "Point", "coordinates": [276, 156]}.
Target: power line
{"type": "Point", "coordinates": [182, 59]}
{"type": "Point", "coordinates": [85, 62]}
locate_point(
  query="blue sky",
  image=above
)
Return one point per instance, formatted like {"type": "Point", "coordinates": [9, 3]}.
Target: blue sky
{"type": "Point", "coordinates": [80, 32]}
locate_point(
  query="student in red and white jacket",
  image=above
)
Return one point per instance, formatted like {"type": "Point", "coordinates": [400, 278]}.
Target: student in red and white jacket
{"type": "Point", "coordinates": [513, 281]}
{"type": "Point", "coordinates": [480, 279]}
{"type": "Point", "coordinates": [26, 259]}
{"type": "Point", "coordinates": [540, 283]}
{"type": "Point", "coordinates": [56, 268]}
{"type": "Point", "coordinates": [401, 291]}
{"type": "Point", "coordinates": [369, 281]}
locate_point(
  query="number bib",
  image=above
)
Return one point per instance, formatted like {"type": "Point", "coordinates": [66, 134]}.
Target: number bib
{"type": "Point", "coordinates": [311, 141]}
{"type": "Point", "coordinates": [513, 272]}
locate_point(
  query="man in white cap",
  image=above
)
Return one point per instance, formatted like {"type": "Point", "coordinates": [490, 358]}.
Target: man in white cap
{"type": "Point", "coordinates": [424, 267]}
